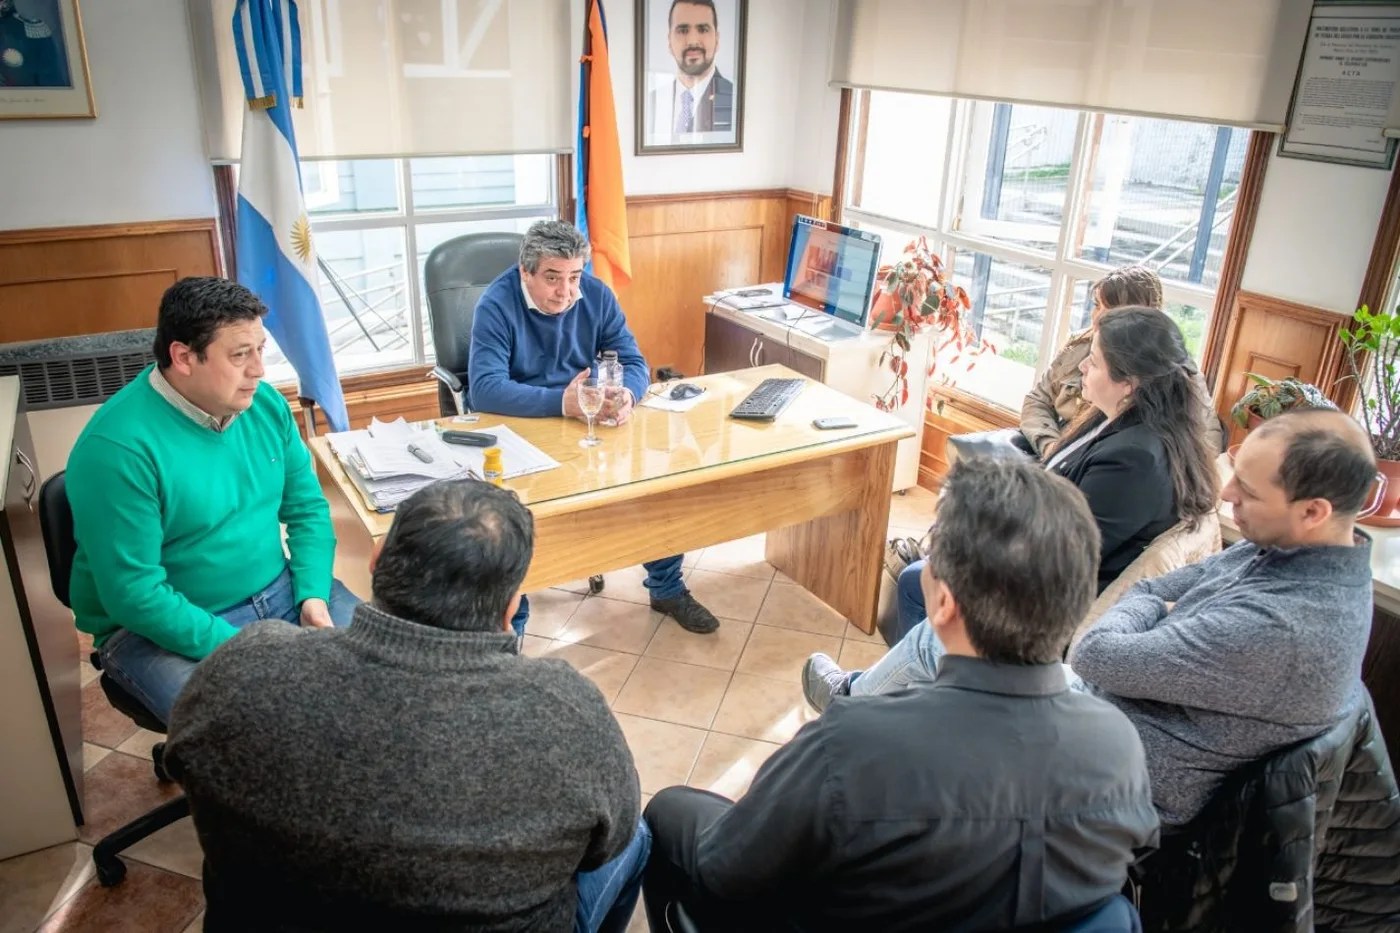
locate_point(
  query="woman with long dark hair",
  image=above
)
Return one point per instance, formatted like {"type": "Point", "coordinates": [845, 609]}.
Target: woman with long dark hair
{"type": "Point", "coordinates": [1139, 454]}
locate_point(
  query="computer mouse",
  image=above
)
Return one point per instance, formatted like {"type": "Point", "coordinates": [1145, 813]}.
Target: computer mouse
{"type": "Point", "coordinates": [684, 391]}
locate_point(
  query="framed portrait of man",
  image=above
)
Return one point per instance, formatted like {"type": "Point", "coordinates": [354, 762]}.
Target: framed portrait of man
{"type": "Point", "coordinates": [690, 75]}
{"type": "Point", "coordinates": [43, 61]}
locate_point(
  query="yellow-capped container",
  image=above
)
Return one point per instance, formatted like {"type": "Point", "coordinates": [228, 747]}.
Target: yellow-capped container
{"type": "Point", "coordinates": [492, 470]}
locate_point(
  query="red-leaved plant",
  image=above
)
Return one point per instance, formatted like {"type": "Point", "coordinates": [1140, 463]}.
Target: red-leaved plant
{"type": "Point", "coordinates": [914, 295]}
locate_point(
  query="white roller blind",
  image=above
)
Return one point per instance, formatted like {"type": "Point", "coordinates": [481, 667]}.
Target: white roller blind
{"type": "Point", "coordinates": [406, 77]}
{"type": "Point", "coordinates": [1218, 61]}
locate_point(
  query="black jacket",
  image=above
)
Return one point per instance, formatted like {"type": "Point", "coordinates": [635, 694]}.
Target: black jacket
{"type": "Point", "coordinates": [1325, 809]}
{"type": "Point", "coordinates": [1123, 473]}
{"type": "Point", "coordinates": [993, 798]}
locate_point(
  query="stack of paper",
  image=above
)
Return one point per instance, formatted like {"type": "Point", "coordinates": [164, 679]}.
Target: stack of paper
{"type": "Point", "coordinates": [382, 467]}
{"type": "Point", "coordinates": [386, 472]}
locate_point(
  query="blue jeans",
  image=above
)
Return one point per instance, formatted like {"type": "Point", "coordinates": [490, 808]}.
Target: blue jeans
{"type": "Point", "coordinates": [911, 598]}
{"type": "Point", "coordinates": [155, 676]}
{"type": "Point", "coordinates": [665, 580]}
{"type": "Point", "coordinates": [914, 660]}
{"type": "Point", "coordinates": [608, 895]}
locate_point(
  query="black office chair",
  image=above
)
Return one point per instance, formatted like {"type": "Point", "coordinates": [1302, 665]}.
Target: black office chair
{"type": "Point", "coordinates": [454, 277]}
{"type": "Point", "coordinates": [56, 523]}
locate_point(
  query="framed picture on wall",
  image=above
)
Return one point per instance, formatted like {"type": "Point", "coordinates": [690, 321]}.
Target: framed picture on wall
{"type": "Point", "coordinates": [690, 75]}
{"type": "Point", "coordinates": [43, 61]}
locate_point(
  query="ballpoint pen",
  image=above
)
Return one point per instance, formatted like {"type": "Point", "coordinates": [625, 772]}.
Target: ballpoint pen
{"type": "Point", "coordinates": [419, 452]}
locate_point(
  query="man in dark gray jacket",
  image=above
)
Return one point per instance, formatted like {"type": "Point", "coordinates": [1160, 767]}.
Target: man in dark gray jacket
{"type": "Point", "coordinates": [1260, 646]}
{"type": "Point", "coordinates": [993, 798]}
{"type": "Point", "coordinates": [411, 771]}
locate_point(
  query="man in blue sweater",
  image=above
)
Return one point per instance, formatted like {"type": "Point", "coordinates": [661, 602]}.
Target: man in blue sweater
{"type": "Point", "coordinates": [535, 335]}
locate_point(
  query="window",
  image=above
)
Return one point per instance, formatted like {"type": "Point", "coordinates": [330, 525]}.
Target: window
{"type": "Point", "coordinates": [1031, 205]}
{"type": "Point", "coordinates": [375, 221]}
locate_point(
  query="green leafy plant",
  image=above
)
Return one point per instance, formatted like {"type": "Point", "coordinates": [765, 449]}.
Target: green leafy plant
{"type": "Point", "coordinates": [1270, 397]}
{"type": "Point", "coordinates": [1376, 335]}
{"type": "Point", "coordinates": [913, 295]}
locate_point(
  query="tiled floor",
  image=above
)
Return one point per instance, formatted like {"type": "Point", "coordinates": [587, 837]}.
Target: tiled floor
{"type": "Point", "coordinates": [699, 710]}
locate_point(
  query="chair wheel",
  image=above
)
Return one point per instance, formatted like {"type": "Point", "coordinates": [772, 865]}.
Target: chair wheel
{"type": "Point", "coordinates": [158, 763]}
{"type": "Point", "coordinates": [110, 873]}
{"type": "Point", "coordinates": [595, 585]}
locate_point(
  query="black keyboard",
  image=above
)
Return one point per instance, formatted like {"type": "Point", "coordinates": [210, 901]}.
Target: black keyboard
{"type": "Point", "coordinates": [768, 399]}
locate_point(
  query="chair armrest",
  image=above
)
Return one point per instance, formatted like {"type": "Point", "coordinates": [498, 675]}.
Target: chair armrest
{"type": "Point", "coordinates": [447, 379]}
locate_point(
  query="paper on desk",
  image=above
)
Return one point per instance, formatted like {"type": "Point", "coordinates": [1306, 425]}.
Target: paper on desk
{"type": "Point", "coordinates": [384, 450]}
{"type": "Point", "coordinates": [518, 456]}
{"type": "Point", "coordinates": [664, 401]}
{"type": "Point", "coordinates": [383, 491]}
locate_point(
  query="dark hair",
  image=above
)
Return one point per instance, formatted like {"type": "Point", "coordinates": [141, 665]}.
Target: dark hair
{"type": "Point", "coordinates": [1130, 287]}
{"type": "Point", "coordinates": [714, 14]}
{"type": "Point", "coordinates": [1144, 345]}
{"type": "Point", "coordinates": [1019, 549]}
{"type": "Point", "coordinates": [193, 309]}
{"type": "Point", "coordinates": [455, 555]}
{"type": "Point", "coordinates": [1321, 461]}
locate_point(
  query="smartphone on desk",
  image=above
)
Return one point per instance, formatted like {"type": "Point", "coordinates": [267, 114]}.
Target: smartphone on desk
{"type": "Point", "coordinates": [833, 424]}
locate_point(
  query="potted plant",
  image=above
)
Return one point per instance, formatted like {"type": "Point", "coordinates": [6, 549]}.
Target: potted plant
{"type": "Point", "coordinates": [1377, 335]}
{"type": "Point", "coordinates": [1270, 397]}
{"type": "Point", "coordinates": [913, 295]}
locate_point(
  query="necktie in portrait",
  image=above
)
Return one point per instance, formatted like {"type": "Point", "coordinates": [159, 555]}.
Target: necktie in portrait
{"type": "Point", "coordinates": [685, 117]}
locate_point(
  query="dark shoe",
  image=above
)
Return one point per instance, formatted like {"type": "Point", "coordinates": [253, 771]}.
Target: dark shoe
{"type": "Point", "coordinates": [688, 613]}
{"type": "Point", "coordinates": [823, 680]}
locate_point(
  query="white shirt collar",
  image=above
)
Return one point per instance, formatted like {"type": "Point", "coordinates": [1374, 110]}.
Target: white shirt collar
{"type": "Point", "coordinates": [530, 302]}
{"type": "Point", "coordinates": [183, 405]}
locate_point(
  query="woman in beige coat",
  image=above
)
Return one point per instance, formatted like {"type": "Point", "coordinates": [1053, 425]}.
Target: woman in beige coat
{"type": "Point", "coordinates": [1055, 401]}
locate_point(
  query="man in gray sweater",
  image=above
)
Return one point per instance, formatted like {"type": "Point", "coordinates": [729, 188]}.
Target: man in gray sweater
{"type": "Point", "coordinates": [412, 771]}
{"type": "Point", "coordinates": [1258, 647]}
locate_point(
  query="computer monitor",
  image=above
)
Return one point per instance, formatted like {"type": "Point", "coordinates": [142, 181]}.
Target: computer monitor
{"type": "Point", "coordinates": [831, 269]}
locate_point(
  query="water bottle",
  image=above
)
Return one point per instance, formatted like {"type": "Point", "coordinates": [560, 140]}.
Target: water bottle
{"type": "Point", "coordinates": [610, 378]}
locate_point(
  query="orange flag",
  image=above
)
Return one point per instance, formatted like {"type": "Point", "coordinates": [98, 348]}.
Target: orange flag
{"type": "Point", "coordinates": [602, 206]}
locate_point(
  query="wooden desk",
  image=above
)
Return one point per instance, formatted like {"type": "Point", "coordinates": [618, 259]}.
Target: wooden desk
{"type": "Point", "coordinates": [666, 483]}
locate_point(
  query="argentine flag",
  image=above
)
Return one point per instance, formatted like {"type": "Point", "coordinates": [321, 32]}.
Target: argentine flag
{"type": "Point", "coordinates": [276, 258]}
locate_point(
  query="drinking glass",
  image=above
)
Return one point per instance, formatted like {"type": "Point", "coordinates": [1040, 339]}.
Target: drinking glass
{"type": "Point", "coordinates": [590, 400]}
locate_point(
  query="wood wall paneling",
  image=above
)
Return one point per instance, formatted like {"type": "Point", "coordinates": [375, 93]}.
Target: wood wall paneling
{"type": "Point", "coordinates": [685, 246]}
{"type": "Point", "coordinates": [67, 281]}
{"type": "Point", "coordinates": [957, 414]}
{"type": "Point", "coordinates": [1277, 339]}
{"type": "Point", "coordinates": [407, 393]}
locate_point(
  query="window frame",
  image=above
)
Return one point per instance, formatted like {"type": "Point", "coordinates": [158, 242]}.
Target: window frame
{"type": "Point", "coordinates": [406, 216]}
{"type": "Point", "coordinates": [409, 217]}
{"type": "Point", "coordinates": [949, 236]}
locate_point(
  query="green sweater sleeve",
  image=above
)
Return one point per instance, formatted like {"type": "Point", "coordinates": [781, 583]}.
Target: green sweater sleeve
{"type": "Point", "coordinates": [117, 518]}
{"type": "Point", "coordinates": [307, 515]}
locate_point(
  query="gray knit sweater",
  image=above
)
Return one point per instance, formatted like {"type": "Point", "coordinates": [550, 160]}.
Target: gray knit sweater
{"type": "Point", "coordinates": [393, 776]}
{"type": "Point", "coordinates": [1262, 649]}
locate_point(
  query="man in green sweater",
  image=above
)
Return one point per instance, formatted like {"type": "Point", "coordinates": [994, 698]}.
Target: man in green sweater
{"type": "Point", "coordinates": [179, 487]}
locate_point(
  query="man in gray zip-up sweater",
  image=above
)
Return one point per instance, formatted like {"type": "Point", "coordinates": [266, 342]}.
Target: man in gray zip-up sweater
{"type": "Point", "coordinates": [1263, 645]}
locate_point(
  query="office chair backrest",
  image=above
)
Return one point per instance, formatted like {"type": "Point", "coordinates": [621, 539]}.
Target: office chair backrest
{"type": "Point", "coordinates": [56, 526]}
{"type": "Point", "coordinates": [454, 277]}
